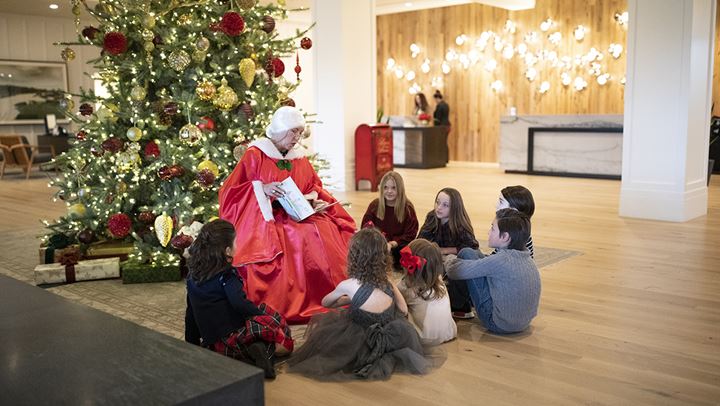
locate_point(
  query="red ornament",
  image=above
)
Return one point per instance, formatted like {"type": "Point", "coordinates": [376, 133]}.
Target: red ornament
{"type": "Point", "coordinates": [247, 109]}
{"type": "Point", "coordinates": [164, 173]}
{"type": "Point", "coordinates": [112, 144]}
{"type": "Point", "coordinates": [170, 108]}
{"type": "Point", "coordinates": [298, 69]}
{"type": "Point", "coordinates": [152, 150]}
{"type": "Point", "coordinates": [146, 217]}
{"type": "Point", "coordinates": [177, 171]}
{"type": "Point", "coordinates": [86, 236]}
{"type": "Point", "coordinates": [119, 225]}
{"type": "Point", "coordinates": [90, 32]}
{"type": "Point", "coordinates": [306, 43]}
{"type": "Point", "coordinates": [288, 102]}
{"type": "Point", "coordinates": [206, 124]}
{"type": "Point", "coordinates": [86, 109]}
{"type": "Point", "coordinates": [81, 135]}
{"type": "Point", "coordinates": [115, 43]}
{"type": "Point", "coordinates": [214, 27]}
{"type": "Point", "coordinates": [278, 66]}
{"type": "Point", "coordinates": [268, 24]}
{"type": "Point", "coordinates": [205, 177]}
{"type": "Point", "coordinates": [232, 24]}
{"type": "Point", "coordinates": [181, 241]}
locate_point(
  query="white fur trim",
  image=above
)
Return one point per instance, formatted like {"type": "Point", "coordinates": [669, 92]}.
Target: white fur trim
{"type": "Point", "coordinates": [263, 201]}
{"type": "Point", "coordinates": [268, 148]}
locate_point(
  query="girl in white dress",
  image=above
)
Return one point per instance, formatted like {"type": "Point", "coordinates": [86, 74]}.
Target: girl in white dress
{"type": "Point", "coordinates": [424, 291]}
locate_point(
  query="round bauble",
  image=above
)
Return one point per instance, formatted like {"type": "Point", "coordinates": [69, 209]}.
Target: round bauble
{"type": "Point", "coordinates": [134, 134]}
{"type": "Point", "coordinates": [268, 24]}
{"type": "Point", "coordinates": [199, 56]}
{"type": "Point", "coordinates": [115, 43]}
{"type": "Point", "coordinates": [149, 21]}
{"type": "Point", "coordinates": [205, 90]}
{"type": "Point", "coordinates": [247, 110]}
{"type": "Point", "coordinates": [306, 43]}
{"type": "Point", "coordinates": [77, 210]}
{"type": "Point", "coordinates": [152, 150]}
{"type": "Point", "coordinates": [208, 165]}
{"type": "Point", "coordinates": [190, 134]}
{"type": "Point", "coordinates": [86, 109]}
{"type": "Point", "coordinates": [86, 236]}
{"type": "Point", "coordinates": [239, 151]}
{"type": "Point", "coordinates": [146, 217]}
{"type": "Point", "coordinates": [205, 178]}
{"type": "Point", "coordinates": [67, 54]}
{"type": "Point", "coordinates": [138, 93]}
{"type": "Point", "coordinates": [202, 44]}
{"type": "Point", "coordinates": [148, 46]}
{"type": "Point", "coordinates": [181, 241]}
{"type": "Point", "coordinates": [119, 225]}
{"type": "Point", "coordinates": [206, 124]}
{"type": "Point", "coordinates": [232, 24]}
{"type": "Point", "coordinates": [179, 60]}
{"type": "Point", "coordinates": [177, 171]}
{"type": "Point", "coordinates": [112, 144]}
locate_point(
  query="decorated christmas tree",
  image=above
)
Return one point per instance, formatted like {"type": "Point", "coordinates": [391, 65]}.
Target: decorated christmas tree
{"type": "Point", "coordinates": [190, 83]}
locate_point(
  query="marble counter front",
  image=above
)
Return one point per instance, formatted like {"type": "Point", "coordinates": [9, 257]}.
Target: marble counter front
{"type": "Point", "coordinates": [595, 150]}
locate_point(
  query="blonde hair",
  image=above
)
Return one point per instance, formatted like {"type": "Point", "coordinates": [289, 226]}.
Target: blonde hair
{"type": "Point", "coordinates": [400, 201]}
{"type": "Point", "coordinates": [426, 280]}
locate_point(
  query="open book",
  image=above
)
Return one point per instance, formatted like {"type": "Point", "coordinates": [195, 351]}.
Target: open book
{"type": "Point", "coordinates": [295, 204]}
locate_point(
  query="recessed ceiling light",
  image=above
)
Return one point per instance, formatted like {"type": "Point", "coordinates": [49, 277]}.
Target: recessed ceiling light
{"type": "Point", "coordinates": [53, 6]}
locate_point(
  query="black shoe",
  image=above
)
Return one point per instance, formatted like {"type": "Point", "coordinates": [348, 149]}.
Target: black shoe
{"type": "Point", "coordinates": [262, 358]}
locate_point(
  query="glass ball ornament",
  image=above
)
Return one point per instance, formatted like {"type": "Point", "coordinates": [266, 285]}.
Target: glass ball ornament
{"type": "Point", "coordinates": [134, 134]}
{"type": "Point", "coordinates": [138, 93]}
{"type": "Point", "coordinates": [306, 43]}
{"type": "Point", "coordinates": [190, 134]}
{"type": "Point", "coordinates": [149, 46]}
{"type": "Point", "coordinates": [179, 60]}
{"type": "Point", "coordinates": [67, 54]}
{"type": "Point", "coordinates": [202, 44]}
{"type": "Point", "coordinates": [199, 56]}
{"type": "Point", "coordinates": [210, 166]}
{"type": "Point", "coordinates": [205, 90]}
{"type": "Point", "coordinates": [149, 21]}
{"type": "Point", "coordinates": [226, 97]}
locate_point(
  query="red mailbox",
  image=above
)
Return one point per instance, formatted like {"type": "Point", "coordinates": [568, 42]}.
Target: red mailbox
{"type": "Point", "coordinates": [373, 153]}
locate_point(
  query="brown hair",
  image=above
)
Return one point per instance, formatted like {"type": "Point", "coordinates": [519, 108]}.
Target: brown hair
{"type": "Point", "coordinates": [400, 201]}
{"type": "Point", "coordinates": [368, 258]}
{"type": "Point", "coordinates": [458, 221]}
{"type": "Point", "coordinates": [516, 224]}
{"type": "Point", "coordinates": [207, 252]}
{"type": "Point", "coordinates": [519, 198]}
{"type": "Point", "coordinates": [423, 102]}
{"type": "Point", "coordinates": [437, 95]}
{"type": "Point", "coordinates": [427, 281]}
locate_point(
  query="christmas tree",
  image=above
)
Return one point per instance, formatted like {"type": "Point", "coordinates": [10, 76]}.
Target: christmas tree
{"type": "Point", "coordinates": [190, 82]}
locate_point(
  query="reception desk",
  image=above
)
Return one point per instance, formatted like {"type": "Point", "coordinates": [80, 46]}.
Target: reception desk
{"type": "Point", "coordinates": [587, 146]}
{"type": "Point", "coordinates": [420, 147]}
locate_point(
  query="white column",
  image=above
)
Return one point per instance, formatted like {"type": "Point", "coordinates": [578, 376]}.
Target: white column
{"type": "Point", "coordinates": [345, 82]}
{"type": "Point", "coordinates": [667, 109]}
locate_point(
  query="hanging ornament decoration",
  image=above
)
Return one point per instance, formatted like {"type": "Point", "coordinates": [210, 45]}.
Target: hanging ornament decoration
{"type": "Point", "coordinates": [206, 124]}
{"type": "Point", "coordinates": [164, 173]}
{"type": "Point", "coordinates": [179, 60]}
{"type": "Point", "coordinates": [232, 24]}
{"type": "Point", "coordinates": [152, 150]}
{"type": "Point", "coordinates": [226, 97]}
{"type": "Point", "coordinates": [157, 40]}
{"type": "Point", "coordinates": [298, 69]}
{"type": "Point", "coordinates": [202, 44]}
{"type": "Point", "coordinates": [246, 4]}
{"type": "Point", "coordinates": [274, 67]}
{"type": "Point", "coordinates": [181, 241]}
{"type": "Point", "coordinates": [199, 56]}
{"type": "Point", "coordinates": [146, 217]}
{"type": "Point", "coordinates": [134, 134]}
{"type": "Point", "coordinates": [185, 19]}
{"type": "Point", "coordinates": [77, 210]}
{"type": "Point", "coordinates": [106, 113]}
{"type": "Point", "coordinates": [190, 134]}
{"type": "Point", "coordinates": [306, 43]}
{"type": "Point", "coordinates": [138, 93]}
{"type": "Point", "coordinates": [115, 43]}
{"type": "Point", "coordinates": [112, 144]}
{"type": "Point", "coordinates": [90, 32]}
{"type": "Point", "coordinates": [163, 229]}
{"type": "Point", "coordinates": [121, 187]}
{"type": "Point", "coordinates": [86, 109]}
{"type": "Point", "coordinates": [247, 110]}
{"type": "Point", "coordinates": [127, 161]}
{"type": "Point", "coordinates": [239, 151]}
{"type": "Point", "coordinates": [119, 225]}
{"type": "Point", "coordinates": [98, 152]}
{"type": "Point", "coordinates": [246, 66]}
{"type": "Point", "coordinates": [149, 21]}
{"type": "Point", "coordinates": [86, 236]}
{"type": "Point", "coordinates": [81, 135]}
{"type": "Point", "coordinates": [148, 46]}
{"type": "Point", "coordinates": [205, 178]}
{"type": "Point", "coordinates": [170, 108]}
{"type": "Point", "coordinates": [210, 166]}
{"type": "Point", "coordinates": [67, 54]}
{"type": "Point", "coordinates": [177, 171]}
{"type": "Point", "coordinates": [268, 24]}
{"type": "Point", "coordinates": [205, 90]}
{"type": "Point", "coordinates": [287, 102]}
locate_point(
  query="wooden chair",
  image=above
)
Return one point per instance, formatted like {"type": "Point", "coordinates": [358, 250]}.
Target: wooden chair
{"type": "Point", "coordinates": [18, 152]}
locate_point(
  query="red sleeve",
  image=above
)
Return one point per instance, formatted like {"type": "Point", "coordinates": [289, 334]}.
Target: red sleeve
{"type": "Point", "coordinates": [370, 213]}
{"type": "Point", "coordinates": [410, 225]}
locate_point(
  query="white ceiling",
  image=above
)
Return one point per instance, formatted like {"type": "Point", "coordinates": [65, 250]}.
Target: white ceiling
{"type": "Point", "coordinates": [400, 6]}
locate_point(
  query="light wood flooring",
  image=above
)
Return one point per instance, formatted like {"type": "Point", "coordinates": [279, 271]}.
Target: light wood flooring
{"type": "Point", "coordinates": [633, 320]}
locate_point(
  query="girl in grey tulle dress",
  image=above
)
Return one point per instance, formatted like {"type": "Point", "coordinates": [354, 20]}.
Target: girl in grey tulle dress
{"type": "Point", "coordinates": [371, 338]}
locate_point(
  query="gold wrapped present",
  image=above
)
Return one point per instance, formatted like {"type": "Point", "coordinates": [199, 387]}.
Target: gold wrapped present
{"type": "Point", "coordinates": [69, 272]}
{"type": "Point", "coordinates": [109, 250]}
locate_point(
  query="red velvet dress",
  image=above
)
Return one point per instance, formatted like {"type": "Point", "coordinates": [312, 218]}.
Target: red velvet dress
{"type": "Point", "coordinates": [289, 265]}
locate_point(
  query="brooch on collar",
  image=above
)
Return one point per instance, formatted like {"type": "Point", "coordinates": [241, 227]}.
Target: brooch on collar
{"type": "Point", "coordinates": [284, 164]}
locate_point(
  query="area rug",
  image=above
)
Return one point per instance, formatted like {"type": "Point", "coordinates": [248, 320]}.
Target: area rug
{"type": "Point", "coordinates": [158, 306]}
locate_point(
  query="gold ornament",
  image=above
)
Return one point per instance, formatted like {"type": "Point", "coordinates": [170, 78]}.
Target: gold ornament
{"type": "Point", "coordinates": [67, 54]}
{"type": "Point", "coordinates": [199, 56]}
{"type": "Point", "coordinates": [246, 4]}
{"type": "Point", "coordinates": [138, 93]}
{"type": "Point", "coordinates": [148, 35]}
{"type": "Point", "coordinates": [202, 44]}
{"type": "Point", "coordinates": [281, 3]}
{"type": "Point", "coordinates": [185, 19]}
{"type": "Point", "coordinates": [205, 90]}
{"type": "Point", "coordinates": [149, 21]}
{"type": "Point", "coordinates": [239, 151]}
{"type": "Point", "coordinates": [76, 9]}
{"type": "Point", "coordinates": [190, 133]}
{"type": "Point", "coordinates": [163, 229]}
{"type": "Point", "coordinates": [121, 187]}
{"type": "Point", "coordinates": [254, 56]}
{"type": "Point", "coordinates": [105, 114]}
{"type": "Point", "coordinates": [226, 97]}
{"type": "Point", "coordinates": [77, 210]}
{"type": "Point", "coordinates": [149, 46]}
{"type": "Point", "coordinates": [247, 71]}
{"type": "Point", "coordinates": [179, 60]}
{"type": "Point", "coordinates": [127, 161]}
{"type": "Point", "coordinates": [134, 134]}
{"type": "Point", "coordinates": [209, 165]}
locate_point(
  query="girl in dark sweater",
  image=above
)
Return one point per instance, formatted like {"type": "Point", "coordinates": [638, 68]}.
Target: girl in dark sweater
{"type": "Point", "coordinates": [219, 316]}
{"type": "Point", "coordinates": [393, 214]}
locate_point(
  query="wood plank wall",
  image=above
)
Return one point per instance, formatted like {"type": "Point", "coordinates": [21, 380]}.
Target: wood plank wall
{"type": "Point", "coordinates": [475, 108]}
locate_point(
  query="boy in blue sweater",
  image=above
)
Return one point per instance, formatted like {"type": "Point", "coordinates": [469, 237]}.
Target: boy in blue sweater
{"type": "Point", "coordinates": [505, 287]}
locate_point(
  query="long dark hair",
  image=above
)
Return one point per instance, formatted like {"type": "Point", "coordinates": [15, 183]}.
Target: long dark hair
{"type": "Point", "coordinates": [427, 281]}
{"type": "Point", "coordinates": [459, 221]}
{"type": "Point", "coordinates": [423, 102]}
{"type": "Point", "coordinates": [368, 258]}
{"type": "Point", "coordinates": [208, 252]}
{"type": "Point", "coordinates": [519, 198]}
{"type": "Point", "coordinates": [516, 224]}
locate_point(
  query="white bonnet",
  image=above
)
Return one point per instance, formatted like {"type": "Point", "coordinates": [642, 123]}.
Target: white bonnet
{"type": "Point", "coordinates": [285, 118]}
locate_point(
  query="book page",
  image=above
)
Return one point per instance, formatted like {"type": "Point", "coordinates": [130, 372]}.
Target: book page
{"type": "Point", "coordinates": [294, 202]}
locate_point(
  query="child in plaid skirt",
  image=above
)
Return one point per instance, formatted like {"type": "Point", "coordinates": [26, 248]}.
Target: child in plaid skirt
{"type": "Point", "coordinates": [219, 316]}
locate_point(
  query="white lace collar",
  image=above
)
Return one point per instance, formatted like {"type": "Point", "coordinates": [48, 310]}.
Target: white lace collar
{"type": "Point", "coordinates": [268, 148]}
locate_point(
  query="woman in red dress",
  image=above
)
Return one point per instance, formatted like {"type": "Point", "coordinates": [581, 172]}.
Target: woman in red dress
{"type": "Point", "coordinates": [289, 265]}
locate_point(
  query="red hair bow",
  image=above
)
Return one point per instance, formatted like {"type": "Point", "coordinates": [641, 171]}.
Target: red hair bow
{"type": "Point", "coordinates": [410, 261]}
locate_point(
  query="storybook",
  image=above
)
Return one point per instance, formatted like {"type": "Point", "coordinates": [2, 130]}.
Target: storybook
{"type": "Point", "coordinates": [294, 202]}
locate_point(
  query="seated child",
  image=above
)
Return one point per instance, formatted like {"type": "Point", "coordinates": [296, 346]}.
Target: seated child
{"type": "Point", "coordinates": [505, 287]}
{"type": "Point", "coordinates": [425, 293]}
{"type": "Point", "coordinates": [370, 339]}
{"type": "Point", "coordinates": [520, 199]}
{"type": "Point", "coordinates": [219, 316]}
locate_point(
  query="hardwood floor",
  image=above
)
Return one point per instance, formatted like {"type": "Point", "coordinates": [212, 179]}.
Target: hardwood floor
{"type": "Point", "coordinates": [635, 319]}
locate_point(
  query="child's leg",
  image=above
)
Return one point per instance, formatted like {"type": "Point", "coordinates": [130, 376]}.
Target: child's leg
{"type": "Point", "coordinates": [460, 300]}
{"type": "Point", "coordinates": [480, 294]}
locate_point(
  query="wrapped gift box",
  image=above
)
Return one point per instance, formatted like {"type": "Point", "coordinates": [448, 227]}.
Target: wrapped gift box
{"type": "Point", "coordinates": [57, 253]}
{"type": "Point", "coordinates": [105, 268]}
{"type": "Point", "coordinates": [109, 250]}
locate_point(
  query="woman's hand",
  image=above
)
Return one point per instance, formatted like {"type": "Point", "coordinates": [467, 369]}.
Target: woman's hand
{"type": "Point", "coordinates": [319, 204]}
{"type": "Point", "coordinates": [273, 189]}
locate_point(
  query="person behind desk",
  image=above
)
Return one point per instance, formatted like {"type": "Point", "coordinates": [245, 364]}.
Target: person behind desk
{"type": "Point", "coordinates": [421, 105]}
{"type": "Point", "coordinates": [441, 116]}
